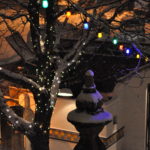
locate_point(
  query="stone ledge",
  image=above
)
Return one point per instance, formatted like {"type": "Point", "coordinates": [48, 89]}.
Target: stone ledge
{"type": "Point", "coordinates": [73, 137]}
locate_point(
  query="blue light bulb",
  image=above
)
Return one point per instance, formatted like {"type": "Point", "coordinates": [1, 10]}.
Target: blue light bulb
{"type": "Point", "coordinates": [127, 51]}
{"type": "Point", "coordinates": [86, 25]}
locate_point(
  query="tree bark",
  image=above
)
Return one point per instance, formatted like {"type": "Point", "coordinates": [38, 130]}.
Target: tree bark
{"type": "Point", "coordinates": [40, 142]}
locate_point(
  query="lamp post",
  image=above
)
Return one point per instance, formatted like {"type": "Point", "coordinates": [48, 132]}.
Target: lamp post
{"type": "Point", "coordinates": [89, 118]}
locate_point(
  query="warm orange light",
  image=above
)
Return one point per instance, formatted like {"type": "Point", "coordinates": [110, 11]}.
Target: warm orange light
{"type": "Point", "coordinates": [20, 68]}
{"type": "Point", "coordinates": [121, 47]}
{"type": "Point", "coordinates": [68, 14]}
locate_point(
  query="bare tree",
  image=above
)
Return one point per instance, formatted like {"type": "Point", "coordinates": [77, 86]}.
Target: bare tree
{"type": "Point", "coordinates": [127, 19]}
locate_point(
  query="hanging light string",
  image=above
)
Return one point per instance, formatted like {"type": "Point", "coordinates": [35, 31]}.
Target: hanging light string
{"type": "Point", "coordinates": [52, 81]}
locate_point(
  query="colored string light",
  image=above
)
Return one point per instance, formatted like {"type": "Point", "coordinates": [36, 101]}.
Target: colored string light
{"type": "Point", "coordinates": [127, 51]}
{"type": "Point", "coordinates": [86, 25]}
{"type": "Point", "coordinates": [100, 35]}
{"type": "Point", "coordinates": [68, 14]}
{"type": "Point", "coordinates": [115, 41]}
{"type": "Point", "coordinates": [121, 47]}
{"type": "Point", "coordinates": [137, 56]}
{"type": "Point", "coordinates": [45, 4]}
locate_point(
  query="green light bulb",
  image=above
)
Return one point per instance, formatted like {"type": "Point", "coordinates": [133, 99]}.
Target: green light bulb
{"type": "Point", "coordinates": [115, 41]}
{"type": "Point", "coordinates": [45, 3]}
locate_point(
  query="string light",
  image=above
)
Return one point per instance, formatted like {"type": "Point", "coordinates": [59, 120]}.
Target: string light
{"type": "Point", "coordinates": [146, 59]}
{"type": "Point", "coordinates": [100, 35]}
{"type": "Point", "coordinates": [45, 3]}
{"type": "Point", "coordinates": [68, 14]}
{"type": "Point", "coordinates": [7, 110]}
{"type": "Point", "coordinates": [128, 51]}
{"type": "Point", "coordinates": [41, 74]}
{"type": "Point", "coordinates": [17, 122]}
{"type": "Point", "coordinates": [137, 56]}
{"type": "Point", "coordinates": [30, 126]}
{"type": "Point", "coordinates": [86, 25]}
{"type": "Point", "coordinates": [45, 131]}
{"type": "Point", "coordinates": [121, 47]}
{"type": "Point", "coordinates": [115, 41]}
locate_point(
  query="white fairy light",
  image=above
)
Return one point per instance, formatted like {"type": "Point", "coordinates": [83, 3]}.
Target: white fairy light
{"type": "Point", "coordinates": [7, 110]}
{"type": "Point", "coordinates": [41, 88]}
{"type": "Point", "coordinates": [44, 131]}
{"type": "Point", "coordinates": [17, 122]}
{"type": "Point", "coordinates": [30, 126]}
{"type": "Point", "coordinates": [68, 64]}
{"type": "Point", "coordinates": [52, 102]}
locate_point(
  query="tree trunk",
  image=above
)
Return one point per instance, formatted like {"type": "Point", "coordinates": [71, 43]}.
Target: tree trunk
{"type": "Point", "coordinates": [40, 142]}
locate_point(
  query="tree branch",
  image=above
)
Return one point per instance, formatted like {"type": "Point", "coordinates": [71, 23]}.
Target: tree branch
{"type": "Point", "coordinates": [97, 22]}
{"type": "Point", "coordinates": [12, 18]}
{"type": "Point", "coordinates": [17, 122]}
{"type": "Point", "coordinates": [20, 79]}
{"type": "Point", "coordinates": [81, 46]}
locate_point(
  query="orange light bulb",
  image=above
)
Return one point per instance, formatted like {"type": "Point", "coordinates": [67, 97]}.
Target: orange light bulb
{"type": "Point", "coordinates": [121, 47]}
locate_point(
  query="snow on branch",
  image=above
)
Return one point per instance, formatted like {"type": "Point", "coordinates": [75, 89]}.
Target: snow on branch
{"type": "Point", "coordinates": [20, 79]}
{"type": "Point", "coordinates": [78, 48]}
{"type": "Point", "coordinates": [17, 122]}
{"type": "Point", "coordinates": [20, 46]}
